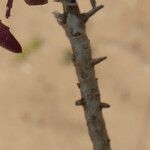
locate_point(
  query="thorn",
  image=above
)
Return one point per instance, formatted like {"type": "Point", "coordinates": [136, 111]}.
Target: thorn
{"type": "Point", "coordinates": [108, 140]}
{"type": "Point", "coordinates": [73, 58]}
{"type": "Point", "coordinates": [86, 16]}
{"type": "Point", "coordinates": [98, 60]}
{"type": "Point", "coordinates": [104, 105]}
{"type": "Point", "coordinates": [79, 102]}
{"type": "Point", "coordinates": [78, 84]}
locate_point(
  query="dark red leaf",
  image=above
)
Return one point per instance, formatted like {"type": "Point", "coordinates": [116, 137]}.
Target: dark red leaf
{"type": "Point", "coordinates": [7, 40]}
{"type": "Point", "coordinates": [36, 2]}
{"type": "Point", "coordinates": [8, 8]}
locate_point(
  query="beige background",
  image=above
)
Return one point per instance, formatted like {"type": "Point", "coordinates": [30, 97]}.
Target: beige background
{"type": "Point", "coordinates": [38, 90]}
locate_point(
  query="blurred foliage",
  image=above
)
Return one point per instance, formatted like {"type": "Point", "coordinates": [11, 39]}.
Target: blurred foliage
{"type": "Point", "coordinates": [30, 48]}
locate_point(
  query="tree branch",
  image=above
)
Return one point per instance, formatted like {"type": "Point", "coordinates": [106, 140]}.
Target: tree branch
{"type": "Point", "coordinates": [74, 26]}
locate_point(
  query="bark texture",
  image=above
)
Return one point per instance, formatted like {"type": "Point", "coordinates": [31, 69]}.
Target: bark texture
{"type": "Point", "coordinates": [73, 22]}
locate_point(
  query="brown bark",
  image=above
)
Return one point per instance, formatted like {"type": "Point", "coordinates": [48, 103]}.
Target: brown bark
{"type": "Point", "coordinates": [73, 23]}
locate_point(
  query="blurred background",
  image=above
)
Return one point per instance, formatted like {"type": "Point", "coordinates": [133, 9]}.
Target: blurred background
{"type": "Point", "coordinates": [38, 87]}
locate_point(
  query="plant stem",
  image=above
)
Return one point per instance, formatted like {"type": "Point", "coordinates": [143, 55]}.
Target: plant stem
{"type": "Point", "coordinates": [73, 23]}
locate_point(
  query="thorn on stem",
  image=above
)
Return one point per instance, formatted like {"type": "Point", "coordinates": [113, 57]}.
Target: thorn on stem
{"type": "Point", "coordinates": [104, 105]}
{"type": "Point", "coordinates": [80, 102]}
{"type": "Point", "coordinates": [108, 140]}
{"type": "Point", "coordinates": [78, 84]}
{"type": "Point", "coordinates": [98, 60]}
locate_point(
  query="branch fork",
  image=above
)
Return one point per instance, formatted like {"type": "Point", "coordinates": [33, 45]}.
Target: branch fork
{"type": "Point", "coordinates": [86, 16]}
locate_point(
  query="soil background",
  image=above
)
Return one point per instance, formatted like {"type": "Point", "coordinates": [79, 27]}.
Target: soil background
{"type": "Point", "coordinates": [38, 88]}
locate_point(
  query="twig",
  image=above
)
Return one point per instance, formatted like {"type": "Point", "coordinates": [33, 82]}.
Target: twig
{"type": "Point", "coordinates": [74, 26]}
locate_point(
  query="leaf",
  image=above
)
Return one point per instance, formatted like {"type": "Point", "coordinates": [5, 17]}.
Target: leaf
{"type": "Point", "coordinates": [7, 40]}
{"type": "Point", "coordinates": [36, 2]}
{"type": "Point", "coordinates": [8, 8]}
